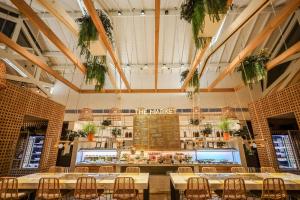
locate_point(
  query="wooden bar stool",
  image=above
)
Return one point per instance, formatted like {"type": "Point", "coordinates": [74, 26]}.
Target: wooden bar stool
{"type": "Point", "coordinates": [274, 188]}
{"type": "Point", "coordinates": [56, 169]}
{"type": "Point", "coordinates": [238, 170]}
{"type": "Point", "coordinates": [9, 189]}
{"type": "Point", "coordinates": [209, 170]}
{"type": "Point", "coordinates": [124, 188]}
{"type": "Point", "coordinates": [81, 170]}
{"type": "Point", "coordinates": [267, 170]}
{"type": "Point", "coordinates": [185, 170]}
{"type": "Point", "coordinates": [234, 189]}
{"type": "Point", "coordinates": [197, 188]}
{"type": "Point", "coordinates": [106, 169]}
{"type": "Point", "coordinates": [48, 189]}
{"type": "Point", "coordinates": [86, 188]}
{"type": "Point", "coordinates": [133, 170]}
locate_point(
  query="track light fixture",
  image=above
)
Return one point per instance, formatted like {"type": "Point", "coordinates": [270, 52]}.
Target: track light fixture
{"type": "Point", "coordinates": [119, 12]}
{"type": "Point", "coordinates": [142, 12]}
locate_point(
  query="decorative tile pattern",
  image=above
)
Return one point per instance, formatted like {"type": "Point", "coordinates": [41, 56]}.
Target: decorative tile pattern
{"type": "Point", "coordinates": [15, 103]}
{"type": "Point", "coordinates": [282, 102]}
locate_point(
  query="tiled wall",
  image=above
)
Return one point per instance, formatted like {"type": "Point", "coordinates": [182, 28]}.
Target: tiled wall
{"type": "Point", "coordinates": [15, 103]}
{"type": "Point", "coordinates": [282, 102]}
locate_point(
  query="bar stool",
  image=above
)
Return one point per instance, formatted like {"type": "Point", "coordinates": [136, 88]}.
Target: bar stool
{"type": "Point", "coordinates": [209, 170]}
{"type": "Point", "coordinates": [56, 169]}
{"type": "Point", "coordinates": [9, 189]}
{"type": "Point", "coordinates": [106, 169]}
{"type": "Point", "coordinates": [197, 189]}
{"type": "Point", "coordinates": [238, 170]}
{"type": "Point", "coordinates": [267, 170]}
{"type": "Point", "coordinates": [185, 170]}
{"type": "Point", "coordinates": [86, 189]}
{"type": "Point", "coordinates": [124, 188]}
{"type": "Point", "coordinates": [274, 188]}
{"type": "Point", "coordinates": [81, 170]}
{"type": "Point", "coordinates": [234, 189]}
{"type": "Point", "coordinates": [133, 170]}
{"type": "Point", "coordinates": [48, 189]}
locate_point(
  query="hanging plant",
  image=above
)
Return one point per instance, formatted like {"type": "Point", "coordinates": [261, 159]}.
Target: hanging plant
{"type": "Point", "coordinates": [116, 132]}
{"type": "Point", "coordinates": [253, 68]}
{"type": "Point", "coordinates": [96, 70]}
{"type": "Point", "coordinates": [96, 65]}
{"type": "Point", "coordinates": [194, 12]}
{"type": "Point", "coordinates": [194, 83]}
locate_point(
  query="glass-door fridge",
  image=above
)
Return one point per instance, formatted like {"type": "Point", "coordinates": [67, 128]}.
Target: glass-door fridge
{"type": "Point", "coordinates": [285, 152]}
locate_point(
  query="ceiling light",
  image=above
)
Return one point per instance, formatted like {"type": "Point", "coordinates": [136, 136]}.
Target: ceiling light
{"type": "Point", "coordinates": [119, 12]}
{"type": "Point", "coordinates": [142, 12]}
{"type": "Point", "coordinates": [14, 67]}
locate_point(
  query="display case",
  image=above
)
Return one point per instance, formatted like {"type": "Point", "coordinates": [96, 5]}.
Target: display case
{"type": "Point", "coordinates": [33, 152]}
{"type": "Point", "coordinates": [96, 156]}
{"type": "Point", "coordinates": [218, 156]}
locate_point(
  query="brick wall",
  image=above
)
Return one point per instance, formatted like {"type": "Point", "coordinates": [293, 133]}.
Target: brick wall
{"type": "Point", "coordinates": [282, 102]}
{"type": "Point", "coordinates": [15, 103]}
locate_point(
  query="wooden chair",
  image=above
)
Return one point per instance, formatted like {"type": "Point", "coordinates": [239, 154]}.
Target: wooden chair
{"type": "Point", "coordinates": [209, 170]}
{"type": "Point", "coordinates": [267, 170]}
{"type": "Point", "coordinates": [197, 189]}
{"type": "Point", "coordinates": [238, 170]}
{"type": "Point", "coordinates": [48, 189]}
{"type": "Point", "coordinates": [9, 189]}
{"type": "Point", "coordinates": [234, 189]}
{"type": "Point", "coordinates": [56, 169]}
{"type": "Point", "coordinates": [274, 188]}
{"type": "Point", "coordinates": [124, 188]}
{"type": "Point", "coordinates": [81, 170]}
{"type": "Point", "coordinates": [185, 170]}
{"type": "Point", "coordinates": [86, 188]}
{"type": "Point", "coordinates": [106, 169]}
{"type": "Point", "coordinates": [133, 170]}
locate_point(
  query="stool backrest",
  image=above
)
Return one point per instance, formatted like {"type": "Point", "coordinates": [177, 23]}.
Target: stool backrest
{"type": "Point", "coordinates": [132, 170]}
{"type": "Point", "coordinates": [274, 188]}
{"type": "Point", "coordinates": [81, 170]}
{"type": "Point", "coordinates": [106, 169]}
{"type": "Point", "coordinates": [48, 188]}
{"type": "Point", "coordinates": [86, 188]}
{"type": "Point", "coordinates": [8, 187]}
{"type": "Point", "coordinates": [56, 169]}
{"type": "Point", "coordinates": [185, 170]}
{"type": "Point", "coordinates": [209, 170]}
{"type": "Point", "coordinates": [267, 170]}
{"type": "Point", "coordinates": [234, 188]}
{"type": "Point", "coordinates": [198, 188]}
{"type": "Point", "coordinates": [238, 170]}
{"type": "Point", "coordinates": [124, 188]}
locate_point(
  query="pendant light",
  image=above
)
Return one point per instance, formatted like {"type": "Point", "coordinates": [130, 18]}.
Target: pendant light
{"type": "Point", "coordinates": [85, 114]}
{"type": "Point", "coordinates": [2, 75]}
{"type": "Point", "coordinates": [228, 112]}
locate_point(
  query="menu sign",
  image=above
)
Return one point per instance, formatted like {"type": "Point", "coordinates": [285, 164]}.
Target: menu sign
{"type": "Point", "coordinates": [156, 132]}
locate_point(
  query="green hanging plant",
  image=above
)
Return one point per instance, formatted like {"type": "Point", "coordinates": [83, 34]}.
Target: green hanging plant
{"type": "Point", "coordinates": [96, 70]}
{"type": "Point", "coordinates": [194, 12]}
{"type": "Point", "coordinates": [96, 65]}
{"type": "Point", "coordinates": [253, 68]}
{"type": "Point", "coordinates": [116, 132]}
{"type": "Point", "coordinates": [194, 83]}
{"type": "Point", "coordinates": [89, 128]}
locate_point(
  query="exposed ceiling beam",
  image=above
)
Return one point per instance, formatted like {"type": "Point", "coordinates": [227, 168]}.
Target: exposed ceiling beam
{"type": "Point", "coordinates": [156, 40]}
{"type": "Point", "coordinates": [154, 91]}
{"type": "Point", "coordinates": [36, 60]}
{"type": "Point", "coordinates": [244, 17]}
{"type": "Point", "coordinates": [102, 34]}
{"type": "Point", "coordinates": [56, 9]}
{"type": "Point", "coordinates": [283, 56]}
{"type": "Point", "coordinates": [287, 10]}
{"type": "Point", "coordinates": [40, 24]}
{"type": "Point", "coordinates": [194, 66]}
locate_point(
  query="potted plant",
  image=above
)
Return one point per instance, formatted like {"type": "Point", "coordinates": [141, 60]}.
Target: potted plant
{"type": "Point", "coordinates": [194, 122]}
{"type": "Point", "coordinates": [253, 68]}
{"type": "Point", "coordinates": [106, 122]}
{"type": "Point", "coordinates": [95, 63]}
{"type": "Point", "coordinates": [196, 12]}
{"type": "Point", "coordinates": [194, 83]}
{"type": "Point", "coordinates": [207, 130]}
{"type": "Point", "coordinates": [71, 135]}
{"type": "Point", "coordinates": [116, 132]}
{"type": "Point", "coordinates": [225, 127]}
{"type": "Point", "coordinates": [90, 130]}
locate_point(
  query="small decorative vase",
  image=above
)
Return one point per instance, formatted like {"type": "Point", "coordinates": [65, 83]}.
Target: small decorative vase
{"type": "Point", "coordinates": [90, 137]}
{"type": "Point", "coordinates": [226, 136]}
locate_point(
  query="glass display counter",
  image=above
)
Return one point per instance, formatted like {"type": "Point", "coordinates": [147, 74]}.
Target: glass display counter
{"type": "Point", "coordinates": [96, 156]}
{"type": "Point", "coordinates": [218, 156]}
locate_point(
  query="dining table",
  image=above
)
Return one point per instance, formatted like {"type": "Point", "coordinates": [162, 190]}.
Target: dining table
{"type": "Point", "coordinates": [67, 181]}
{"type": "Point", "coordinates": [253, 181]}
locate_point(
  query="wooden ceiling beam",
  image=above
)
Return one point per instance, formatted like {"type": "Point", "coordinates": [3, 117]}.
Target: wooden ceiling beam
{"type": "Point", "coordinates": [154, 91]}
{"type": "Point", "coordinates": [194, 66]}
{"type": "Point", "coordinates": [38, 22]}
{"type": "Point", "coordinates": [286, 11]}
{"type": "Point", "coordinates": [156, 40]}
{"type": "Point", "coordinates": [286, 54]}
{"type": "Point", "coordinates": [102, 34]}
{"type": "Point", "coordinates": [35, 60]}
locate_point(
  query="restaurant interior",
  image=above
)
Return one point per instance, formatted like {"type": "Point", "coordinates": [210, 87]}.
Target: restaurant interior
{"type": "Point", "coordinates": [149, 99]}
